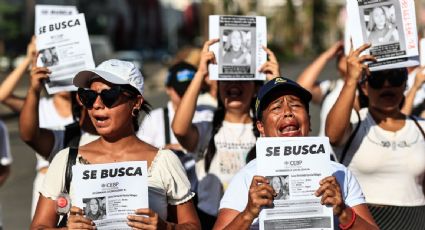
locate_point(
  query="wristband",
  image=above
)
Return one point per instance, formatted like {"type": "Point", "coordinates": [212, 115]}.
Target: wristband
{"type": "Point", "coordinates": [351, 223]}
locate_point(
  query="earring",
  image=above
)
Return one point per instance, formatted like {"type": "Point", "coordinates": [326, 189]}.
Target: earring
{"type": "Point", "coordinates": [135, 112]}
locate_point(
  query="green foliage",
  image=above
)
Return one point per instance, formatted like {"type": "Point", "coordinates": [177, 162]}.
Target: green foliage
{"type": "Point", "coordinates": [9, 25]}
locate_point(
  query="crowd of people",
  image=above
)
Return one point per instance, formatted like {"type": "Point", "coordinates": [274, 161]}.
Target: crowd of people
{"type": "Point", "coordinates": [200, 148]}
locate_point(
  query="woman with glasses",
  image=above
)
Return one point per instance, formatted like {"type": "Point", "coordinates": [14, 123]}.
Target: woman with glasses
{"type": "Point", "coordinates": [385, 148]}
{"type": "Point", "coordinates": [112, 94]}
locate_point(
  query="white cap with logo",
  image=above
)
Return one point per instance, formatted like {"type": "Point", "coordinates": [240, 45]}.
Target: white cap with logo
{"type": "Point", "coordinates": [113, 71]}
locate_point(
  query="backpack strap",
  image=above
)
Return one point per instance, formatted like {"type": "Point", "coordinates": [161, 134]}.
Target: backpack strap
{"type": "Point", "coordinates": [72, 158]}
{"type": "Point", "coordinates": [417, 124]}
{"type": "Point", "coordinates": [350, 140]}
{"type": "Point", "coordinates": [72, 135]}
{"type": "Point", "coordinates": [166, 126]}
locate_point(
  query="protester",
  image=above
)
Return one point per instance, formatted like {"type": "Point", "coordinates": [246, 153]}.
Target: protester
{"type": "Point", "coordinates": [112, 94]}
{"type": "Point", "coordinates": [282, 111]}
{"type": "Point", "coordinates": [387, 150]}
{"type": "Point", "coordinates": [5, 159]}
{"type": "Point", "coordinates": [156, 128]}
{"type": "Point", "coordinates": [221, 146]}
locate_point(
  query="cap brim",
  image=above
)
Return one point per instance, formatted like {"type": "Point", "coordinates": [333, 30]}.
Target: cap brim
{"type": "Point", "coordinates": [84, 78]}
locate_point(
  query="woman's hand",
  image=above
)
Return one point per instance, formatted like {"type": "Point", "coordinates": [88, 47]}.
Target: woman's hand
{"type": "Point", "coordinates": [207, 57]}
{"type": "Point", "coordinates": [260, 194]}
{"type": "Point", "coordinates": [331, 194]}
{"type": "Point", "coordinates": [334, 50]}
{"type": "Point", "coordinates": [31, 50]}
{"type": "Point", "coordinates": [271, 67]}
{"type": "Point", "coordinates": [76, 220]}
{"type": "Point", "coordinates": [146, 218]}
{"type": "Point", "coordinates": [38, 74]}
{"type": "Point", "coordinates": [355, 65]}
{"type": "Point", "coordinates": [419, 78]}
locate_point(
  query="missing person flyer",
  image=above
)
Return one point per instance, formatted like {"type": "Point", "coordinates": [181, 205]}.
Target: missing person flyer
{"type": "Point", "coordinates": [239, 53]}
{"type": "Point", "coordinates": [64, 47]}
{"type": "Point", "coordinates": [389, 26]}
{"type": "Point", "coordinates": [108, 193]}
{"type": "Point", "coordinates": [294, 167]}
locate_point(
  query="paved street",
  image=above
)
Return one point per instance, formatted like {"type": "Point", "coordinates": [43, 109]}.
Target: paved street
{"type": "Point", "coordinates": [15, 195]}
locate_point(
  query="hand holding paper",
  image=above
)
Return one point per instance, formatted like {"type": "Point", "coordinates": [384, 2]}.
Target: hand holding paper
{"type": "Point", "coordinates": [146, 218]}
{"type": "Point", "coordinates": [76, 220]}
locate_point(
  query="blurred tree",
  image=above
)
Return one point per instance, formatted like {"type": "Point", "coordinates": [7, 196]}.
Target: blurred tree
{"type": "Point", "coordinates": [9, 25]}
{"type": "Point", "coordinates": [319, 24]}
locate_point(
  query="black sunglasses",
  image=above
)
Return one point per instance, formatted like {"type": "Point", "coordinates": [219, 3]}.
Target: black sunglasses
{"type": "Point", "coordinates": [394, 78]}
{"type": "Point", "coordinates": [109, 96]}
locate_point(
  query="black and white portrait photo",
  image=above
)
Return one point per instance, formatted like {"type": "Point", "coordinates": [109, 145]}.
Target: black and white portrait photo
{"type": "Point", "coordinates": [280, 185]}
{"type": "Point", "coordinates": [49, 57]}
{"type": "Point", "coordinates": [381, 24]}
{"type": "Point", "coordinates": [236, 47]}
{"type": "Point", "coordinates": [95, 208]}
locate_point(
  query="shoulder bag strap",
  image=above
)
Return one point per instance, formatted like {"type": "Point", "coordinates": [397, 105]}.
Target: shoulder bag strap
{"type": "Point", "coordinates": [166, 126]}
{"type": "Point", "coordinates": [417, 124]}
{"type": "Point", "coordinates": [72, 158]}
{"type": "Point", "coordinates": [350, 140]}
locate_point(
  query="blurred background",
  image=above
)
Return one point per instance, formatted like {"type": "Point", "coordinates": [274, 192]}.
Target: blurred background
{"type": "Point", "coordinates": [153, 34]}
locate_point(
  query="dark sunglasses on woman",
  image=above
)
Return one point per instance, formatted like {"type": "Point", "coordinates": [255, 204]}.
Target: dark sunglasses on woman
{"type": "Point", "coordinates": [395, 78]}
{"type": "Point", "coordinates": [109, 96]}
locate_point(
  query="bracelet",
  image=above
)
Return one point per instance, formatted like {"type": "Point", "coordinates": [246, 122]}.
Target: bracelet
{"type": "Point", "coordinates": [351, 223]}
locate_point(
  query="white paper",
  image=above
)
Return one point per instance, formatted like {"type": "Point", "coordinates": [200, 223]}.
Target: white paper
{"type": "Point", "coordinates": [45, 13]}
{"type": "Point", "coordinates": [294, 166]}
{"type": "Point", "coordinates": [120, 187]}
{"type": "Point", "coordinates": [390, 26]}
{"type": "Point", "coordinates": [64, 47]}
{"type": "Point", "coordinates": [240, 59]}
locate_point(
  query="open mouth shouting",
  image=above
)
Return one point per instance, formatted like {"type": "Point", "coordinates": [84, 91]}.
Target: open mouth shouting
{"type": "Point", "coordinates": [291, 129]}
{"type": "Point", "coordinates": [100, 120]}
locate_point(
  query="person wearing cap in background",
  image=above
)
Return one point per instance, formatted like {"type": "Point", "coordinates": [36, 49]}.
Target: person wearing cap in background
{"type": "Point", "coordinates": [113, 96]}
{"type": "Point", "coordinates": [282, 110]}
{"type": "Point", "coordinates": [156, 128]}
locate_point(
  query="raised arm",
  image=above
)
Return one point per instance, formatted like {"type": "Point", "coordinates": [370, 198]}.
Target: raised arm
{"type": "Point", "coordinates": [341, 110]}
{"type": "Point", "coordinates": [41, 140]}
{"type": "Point", "coordinates": [410, 97]}
{"type": "Point", "coordinates": [185, 132]}
{"type": "Point", "coordinates": [9, 84]}
{"type": "Point", "coordinates": [309, 76]}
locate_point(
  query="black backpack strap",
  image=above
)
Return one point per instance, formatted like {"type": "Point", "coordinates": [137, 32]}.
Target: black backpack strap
{"type": "Point", "coordinates": [166, 126]}
{"type": "Point", "coordinates": [72, 158]}
{"type": "Point", "coordinates": [350, 140]}
{"type": "Point", "coordinates": [72, 135]}
{"type": "Point", "coordinates": [417, 124]}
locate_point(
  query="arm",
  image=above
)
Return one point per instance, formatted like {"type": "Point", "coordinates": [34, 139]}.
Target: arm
{"type": "Point", "coordinates": [184, 215]}
{"type": "Point", "coordinates": [9, 84]}
{"type": "Point", "coordinates": [410, 97]}
{"type": "Point", "coordinates": [29, 127]}
{"type": "Point", "coordinates": [185, 132]}
{"type": "Point", "coordinates": [341, 110]}
{"type": "Point", "coordinates": [331, 195]}
{"type": "Point", "coordinates": [309, 76]}
{"type": "Point", "coordinates": [260, 194]}
{"type": "Point", "coordinates": [45, 216]}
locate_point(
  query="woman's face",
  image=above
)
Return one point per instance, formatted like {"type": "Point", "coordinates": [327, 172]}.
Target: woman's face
{"type": "Point", "coordinates": [379, 17]}
{"type": "Point", "coordinates": [237, 94]}
{"type": "Point", "coordinates": [385, 99]}
{"type": "Point", "coordinates": [284, 116]}
{"type": "Point", "coordinates": [276, 184]}
{"type": "Point", "coordinates": [115, 121]}
{"type": "Point", "coordinates": [236, 40]}
{"type": "Point", "coordinates": [94, 207]}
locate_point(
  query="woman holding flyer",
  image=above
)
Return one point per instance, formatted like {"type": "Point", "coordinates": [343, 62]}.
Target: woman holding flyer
{"type": "Point", "coordinates": [222, 146]}
{"type": "Point", "coordinates": [283, 111]}
{"type": "Point", "coordinates": [386, 148]}
{"type": "Point", "coordinates": [112, 93]}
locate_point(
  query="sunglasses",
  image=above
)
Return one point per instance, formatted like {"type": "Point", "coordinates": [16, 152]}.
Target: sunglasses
{"type": "Point", "coordinates": [109, 96]}
{"type": "Point", "coordinates": [395, 79]}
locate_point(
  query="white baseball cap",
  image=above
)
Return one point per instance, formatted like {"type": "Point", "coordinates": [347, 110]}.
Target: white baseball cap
{"type": "Point", "coordinates": [113, 71]}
